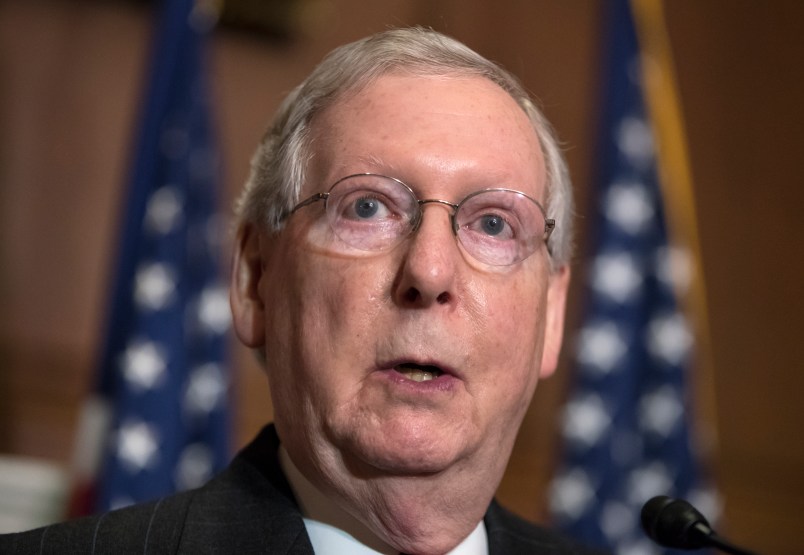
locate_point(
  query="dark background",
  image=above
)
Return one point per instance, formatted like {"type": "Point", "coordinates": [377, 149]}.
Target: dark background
{"type": "Point", "coordinates": [70, 81]}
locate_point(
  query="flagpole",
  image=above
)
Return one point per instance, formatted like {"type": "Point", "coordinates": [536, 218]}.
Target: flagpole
{"type": "Point", "coordinates": [676, 183]}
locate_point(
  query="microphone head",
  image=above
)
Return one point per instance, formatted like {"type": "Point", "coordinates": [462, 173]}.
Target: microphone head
{"type": "Point", "coordinates": [675, 523]}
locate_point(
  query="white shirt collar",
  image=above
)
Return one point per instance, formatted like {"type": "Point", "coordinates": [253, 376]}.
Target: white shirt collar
{"type": "Point", "coordinates": [333, 531]}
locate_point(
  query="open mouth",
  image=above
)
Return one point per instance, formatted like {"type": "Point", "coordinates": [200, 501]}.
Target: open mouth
{"type": "Point", "coordinates": [418, 372]}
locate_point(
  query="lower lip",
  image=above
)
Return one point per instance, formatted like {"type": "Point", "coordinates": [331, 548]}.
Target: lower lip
{"type": "Point", "coordinates": [443, 383]}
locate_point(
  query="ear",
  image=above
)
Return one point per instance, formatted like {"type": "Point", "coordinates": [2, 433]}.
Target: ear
{"type": "Point", "coordinates": [554, 326]}
{"type": "Point", "coordinates": [248, 310]}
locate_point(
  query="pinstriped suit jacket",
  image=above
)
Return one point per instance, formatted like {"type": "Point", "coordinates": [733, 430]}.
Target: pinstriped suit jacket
{"type": "Point", "coordinates": [249, 508]}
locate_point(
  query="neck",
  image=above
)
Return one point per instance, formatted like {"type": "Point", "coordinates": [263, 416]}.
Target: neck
{"type": "Point", "coordinates": [317, 506]}
{"type": "Point", "coordinates": [426, 514]}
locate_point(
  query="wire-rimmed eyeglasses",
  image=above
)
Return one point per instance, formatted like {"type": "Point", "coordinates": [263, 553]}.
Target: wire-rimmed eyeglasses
{"type": "Point", "coordinates": [374, 213]}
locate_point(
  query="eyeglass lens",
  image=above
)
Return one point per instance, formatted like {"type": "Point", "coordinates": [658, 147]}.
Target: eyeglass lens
{"type": "Point", "coordinates": [495, 226]}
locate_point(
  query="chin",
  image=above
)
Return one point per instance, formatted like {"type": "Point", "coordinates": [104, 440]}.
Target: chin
{"type": "Point", "coordinates": [394, 453]}
{"type": "Point", "coordinates": [406, 463]}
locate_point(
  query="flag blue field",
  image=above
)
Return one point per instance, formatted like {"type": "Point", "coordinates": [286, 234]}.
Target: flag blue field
{"type": "Point", "coordinates": [162, 379]}
{"type": "Point", "coordinates": [626, 425]}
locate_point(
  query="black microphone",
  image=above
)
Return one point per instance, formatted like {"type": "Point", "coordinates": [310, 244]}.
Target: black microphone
{"type": "Point", "coordinates": [677, 524]}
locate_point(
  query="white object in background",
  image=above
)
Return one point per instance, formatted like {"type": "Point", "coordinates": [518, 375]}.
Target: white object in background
{"type": "Point", "coordinates": [33, 493]}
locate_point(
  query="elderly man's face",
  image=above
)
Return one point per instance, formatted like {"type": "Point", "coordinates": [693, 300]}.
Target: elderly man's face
{"type": "Point", "coordinates": [347, 334]}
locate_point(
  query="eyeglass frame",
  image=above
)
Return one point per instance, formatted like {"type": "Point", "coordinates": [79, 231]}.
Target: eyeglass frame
{"type": "Point", "coordinates": [549, 223]}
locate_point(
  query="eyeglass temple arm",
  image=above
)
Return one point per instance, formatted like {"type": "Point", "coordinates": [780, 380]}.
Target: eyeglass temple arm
{"type": "Point", "coordinates": [549, 226]}
{"type": "Point", "coordinates": [315, 198]}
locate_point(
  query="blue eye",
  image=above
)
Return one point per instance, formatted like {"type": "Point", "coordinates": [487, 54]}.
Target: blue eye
{"type": "Point", "coordinates": [492, 224]}
{"type": "Point", "coordinates": [366, 207]}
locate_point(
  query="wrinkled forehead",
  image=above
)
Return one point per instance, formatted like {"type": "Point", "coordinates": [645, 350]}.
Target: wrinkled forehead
{"type": "Point", "coordinates": [357, 85]}
{"type": "Point", "coordinates": [414, 125]}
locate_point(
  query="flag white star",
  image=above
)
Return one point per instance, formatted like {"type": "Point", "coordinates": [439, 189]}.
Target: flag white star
{"type": "Point", "coordinates": [660, 411]}
{"type": "Point", "coordinates": [638, 546]}
{"type": "Point", "coordinates": [205, 389]}
{"type": "Point", "coordinates": [648, 481]}
{"type": "Point", "coordinates": [601, 346]}
{"type": "Point", "coordinates": [586, 420]}
{"type": "Point", "coordinates": [668, 338]}
{"type": "Point", "coordinates": [629, 206]}
{"type": "Point", "coordinates": [194, 467]}
{"type": "Point", "coordinates": [571, 493]}
{"type": "Point", "coordinates": [144, 364]}
{"type": "Point", "coordinates": [155, 285]}
{"type": "Point", "coordinates": [708, 502]}
{"type": "Point", "coordinates": [617, 276]}
{"type": "Point", "coordinates": [213, 309]}
{"type": "Point", "coordinates": [635, 141]}
{"type": "Point", "coordinates": [164, 211]}
{"type": "Point", "coordinates": [137, 445]}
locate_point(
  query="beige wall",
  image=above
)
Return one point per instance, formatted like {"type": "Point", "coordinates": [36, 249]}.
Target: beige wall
{"type": "Point", "coordinates": [70, 78]}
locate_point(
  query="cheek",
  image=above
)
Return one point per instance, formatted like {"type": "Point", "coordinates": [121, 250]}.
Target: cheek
{"type": "Point", "coordinates": [519, 315]}
{"type": "Point", "coordinates": [327, 308]}
{"type": "Point", "coordinates": [341, 304]}
{"type": "Point", "coordinates": [517, 326]}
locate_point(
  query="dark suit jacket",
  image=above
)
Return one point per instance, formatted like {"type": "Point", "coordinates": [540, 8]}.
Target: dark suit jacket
{"type": "Point", "coordinates": [249, 508]}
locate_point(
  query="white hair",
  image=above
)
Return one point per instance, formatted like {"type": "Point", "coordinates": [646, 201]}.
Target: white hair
{"type": "Point", "coordinates": [279, 164]}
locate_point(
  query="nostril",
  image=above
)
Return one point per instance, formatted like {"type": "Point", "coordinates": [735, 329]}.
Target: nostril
{"type": "Point", "coordinates": [412, 295]}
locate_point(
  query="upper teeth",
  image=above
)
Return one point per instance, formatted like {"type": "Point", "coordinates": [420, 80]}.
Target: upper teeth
{"type": "Point", "coordinates": [417, 375]}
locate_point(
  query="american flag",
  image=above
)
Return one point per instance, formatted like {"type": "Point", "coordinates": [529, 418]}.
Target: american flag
{"type": "Point", "coordinates": [162, 384]}
{"type": "Point", "coordinates": [626, 425]}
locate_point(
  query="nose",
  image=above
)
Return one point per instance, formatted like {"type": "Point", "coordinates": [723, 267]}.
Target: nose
{"type": "Point", "coordinates": [427, 275]}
